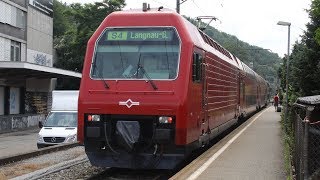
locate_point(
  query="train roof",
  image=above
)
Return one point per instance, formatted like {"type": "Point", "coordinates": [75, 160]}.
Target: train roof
{"type": "Point", "coordinates": [207, 43]}
{"type": "Point", "coordinates": [198, 37]}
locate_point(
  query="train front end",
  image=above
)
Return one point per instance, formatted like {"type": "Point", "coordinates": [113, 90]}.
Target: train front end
{"type": "Point", "coordinates": [129, 99]}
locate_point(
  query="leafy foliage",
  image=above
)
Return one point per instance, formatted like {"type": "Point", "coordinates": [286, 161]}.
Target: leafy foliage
{"type": "Point", "coordinates": [305, 59]}
{"type": "Point", "coordinates": [304, 67]}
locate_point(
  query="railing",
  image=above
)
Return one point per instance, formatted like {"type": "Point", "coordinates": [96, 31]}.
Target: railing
{"type": "Point", "coordinates": [306, 149]}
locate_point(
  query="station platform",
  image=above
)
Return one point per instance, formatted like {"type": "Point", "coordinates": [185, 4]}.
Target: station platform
{"type": "Point", "coordinates": [18, 142]}
{"type": "Point", "coordinates": [252, 151]}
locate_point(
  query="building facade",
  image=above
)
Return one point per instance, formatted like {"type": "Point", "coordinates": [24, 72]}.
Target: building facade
{"type": "Point", "coordinates": [26, 62]}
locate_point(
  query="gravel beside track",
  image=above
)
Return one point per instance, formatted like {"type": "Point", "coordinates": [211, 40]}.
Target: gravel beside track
{"type": "Point", "coordinates": [80, 171]}
{"type": "Point", "coordinates": [32, 165]}
{"type": "Point", "coordinates": [32, 154]}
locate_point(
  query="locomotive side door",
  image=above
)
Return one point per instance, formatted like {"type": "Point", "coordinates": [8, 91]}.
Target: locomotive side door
{"type": "Point", "coordinates": [242, 95]}
{"type": "Point", "coordinates": [204, 102]}
{"type": "Point", "coordinates": [199, 77]}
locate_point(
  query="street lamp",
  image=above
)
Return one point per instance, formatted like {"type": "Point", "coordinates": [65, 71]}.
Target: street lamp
{"type": "Point", "coordinates": [282, 23]}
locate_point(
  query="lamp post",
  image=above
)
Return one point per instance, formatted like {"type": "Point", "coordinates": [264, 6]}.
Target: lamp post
{"type": "Point", "coordinates": [282, 23]}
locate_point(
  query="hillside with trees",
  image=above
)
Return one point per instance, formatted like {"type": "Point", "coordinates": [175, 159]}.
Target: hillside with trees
{"type": "Point", "coordinates": [262, 61]}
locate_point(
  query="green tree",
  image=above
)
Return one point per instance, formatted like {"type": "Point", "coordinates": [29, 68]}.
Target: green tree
{"type": "Point", "coordinates": [73, 25]}
{"type": "Point", "coordinates": [305, 58]}
{"type": "Point", "coordinates": [312, 52]}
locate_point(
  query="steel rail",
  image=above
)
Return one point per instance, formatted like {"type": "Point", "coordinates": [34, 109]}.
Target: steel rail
{"type": "Point", "coordinates": [19, 157]}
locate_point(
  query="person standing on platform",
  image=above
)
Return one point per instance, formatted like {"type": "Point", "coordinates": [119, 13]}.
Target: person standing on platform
{"type": "Point", "coordinates": [276, 101]}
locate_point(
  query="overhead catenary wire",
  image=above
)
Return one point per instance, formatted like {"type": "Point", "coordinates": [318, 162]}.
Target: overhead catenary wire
{"type": "Point", "coordinates": [179, 2]}
{"type": "Point", "coordinates": [199, 8]}
{"type": "Point", "coordinates": [165, 5]}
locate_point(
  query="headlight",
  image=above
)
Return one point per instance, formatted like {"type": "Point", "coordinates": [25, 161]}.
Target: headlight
{"type": "Point", "coordinates": [94, 117]}
{"type": "Point", "coordinates": [72, 138]}
{"type": "Point", "coordinates": [165, 120]}
{"type": "Point", "coordinates": [40, 139]}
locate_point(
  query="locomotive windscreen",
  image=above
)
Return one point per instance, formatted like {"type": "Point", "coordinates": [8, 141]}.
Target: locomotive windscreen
{"type": "Point", "coordinates": [131, 53]}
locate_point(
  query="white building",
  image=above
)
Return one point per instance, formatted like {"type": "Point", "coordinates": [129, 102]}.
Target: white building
{"type": "Point", "coordinates": [26, 62]}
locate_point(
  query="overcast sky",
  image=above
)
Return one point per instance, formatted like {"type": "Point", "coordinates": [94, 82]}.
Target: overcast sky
{"type": "Point", "coordinates": [252, 21]}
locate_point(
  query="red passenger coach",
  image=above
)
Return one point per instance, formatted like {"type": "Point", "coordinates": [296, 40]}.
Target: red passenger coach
{"type": "Point", "coordinates": [155, 87]}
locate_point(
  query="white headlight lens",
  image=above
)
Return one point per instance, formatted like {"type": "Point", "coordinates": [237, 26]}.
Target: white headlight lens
{"type": "Point", "coordinates": [165, 120]}
{"type": "Point", "coordinates": [40, 139]}
{"type": "Point", "coordinates": [95, 117]}
{"type": "Point", "coordinates": [72, 138]}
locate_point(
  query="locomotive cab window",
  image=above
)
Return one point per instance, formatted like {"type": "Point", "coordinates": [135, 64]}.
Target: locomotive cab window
{"type": "Point", "coordinates": [197, 68]}
{"type": "Point", "coordinates": [136, 53]}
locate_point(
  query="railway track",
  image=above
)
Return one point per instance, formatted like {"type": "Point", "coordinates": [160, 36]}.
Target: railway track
{"type": "Point", "coordinates": [57, 168]}
{"type": "Point", "coordinates": [31, 162]}
{"type": "Point", "coordinates": [23, 156]}
{"type": "Point", "coordinates": [80, 168]}
{"type": "Point", "coordinates": [36, 166]}
{"type": "Point", "coordinates": [125, 174]}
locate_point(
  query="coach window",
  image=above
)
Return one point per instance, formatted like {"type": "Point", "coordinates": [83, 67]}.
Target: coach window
{"type": "Point", "coordinates": [196, 68]}
{"type": "Point", "coordinates": [2, 100]}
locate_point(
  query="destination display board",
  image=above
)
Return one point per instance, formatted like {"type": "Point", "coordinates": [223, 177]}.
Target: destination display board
{"type": "Point", "coordinates": [143, 35]}
{"type": "Point", "coordinates": [44, 6]}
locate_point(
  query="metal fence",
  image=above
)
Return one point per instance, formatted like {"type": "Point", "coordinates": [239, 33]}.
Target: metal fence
{"type": "Point", "coordinates": [306, 150]}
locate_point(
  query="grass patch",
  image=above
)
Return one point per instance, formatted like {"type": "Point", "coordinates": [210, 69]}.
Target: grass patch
{"type": "Point", "coordinates": [288, 143]}
{"type": "Point", "coordinates": [22, 169]}
{"type": "Point", "coordinates": [2, 176]}
{"type": "Point", "coordinates": [287, 156]}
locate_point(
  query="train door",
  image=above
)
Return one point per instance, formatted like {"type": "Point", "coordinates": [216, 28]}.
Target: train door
{"type": "Point", "coordinates": [242, 94]}
{"type": "Point", "coordinates": [204, 112]}
{"type": "Point", "coordinates": [239, 95]}
{"type": "Point", "coordinates": [199, 77]}
{"type": "Point", "coordinates": [257, 98]}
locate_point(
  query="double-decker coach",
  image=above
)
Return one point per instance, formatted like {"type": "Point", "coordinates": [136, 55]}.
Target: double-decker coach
{"type": "Point", "coordinates": [154, 87]}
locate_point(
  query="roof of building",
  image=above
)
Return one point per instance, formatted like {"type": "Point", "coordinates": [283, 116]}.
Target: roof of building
{"type": "Point", "coordinates": [309, 100]}
{"type": "Point", "coordinates": [9, 69]}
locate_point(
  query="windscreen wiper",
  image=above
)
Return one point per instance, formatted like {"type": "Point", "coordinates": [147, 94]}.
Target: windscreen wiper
{"type": "Point", "coordinates": [100, 75]}
{"type": "Point", "coordinates": [144, 72]}
{"type": "Point", "coordinates": [139, 66]}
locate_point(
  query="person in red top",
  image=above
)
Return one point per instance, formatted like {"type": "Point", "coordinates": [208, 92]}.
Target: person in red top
{"type": "Point", "coordinates": [276, 101]}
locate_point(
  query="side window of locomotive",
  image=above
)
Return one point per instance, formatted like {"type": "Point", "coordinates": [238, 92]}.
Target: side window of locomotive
{"type": "Point", "coordinates": [196, 68]}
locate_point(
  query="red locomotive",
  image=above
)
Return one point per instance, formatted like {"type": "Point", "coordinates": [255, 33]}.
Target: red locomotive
{"type": "Point", "coordinates": [154, 88]}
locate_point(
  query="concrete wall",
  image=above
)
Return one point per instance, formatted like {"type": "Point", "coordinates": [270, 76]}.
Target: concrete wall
{"type": "Point", "coordinates": [40, 38]}
{"type": "Point", "coordinates": [39, 58]}
{"type": "Point", "coordinates": [13, 31]}
{"type": "Point", "coordinates": [22, 3]}
{"type": "Point", "coordinates": [19, 122]}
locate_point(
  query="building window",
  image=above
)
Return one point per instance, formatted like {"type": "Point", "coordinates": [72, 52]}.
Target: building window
{"type": "Point", "coordinates": [15, 51]}
{"type": "Point", "coordinates": [12, 16]}
{"type": "Point", "coordinates": [2, 100]}
{"type": "Point", "coordinates": [14, 101]}
{"type": "Point", "coordinates": [21, 19]}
